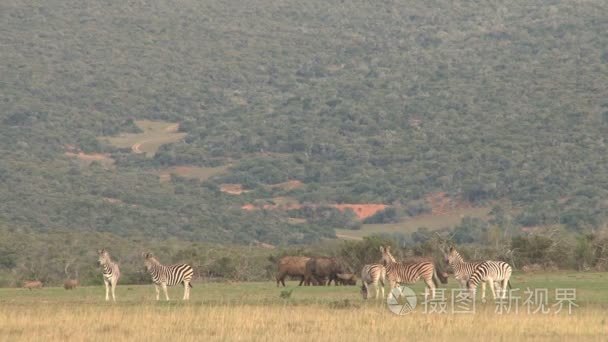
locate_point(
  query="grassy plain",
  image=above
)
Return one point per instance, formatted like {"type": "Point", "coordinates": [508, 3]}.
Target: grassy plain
{"type": "Point", "coordinates": [256, 311]}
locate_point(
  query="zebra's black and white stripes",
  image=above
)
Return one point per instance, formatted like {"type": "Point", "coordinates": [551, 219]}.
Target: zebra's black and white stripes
{"type": "Point", "coordinates": [491, 271]}
{"type": "Point", "coordinates": [373, 274]}
{"type": "Point", "coordinates": [168, 275]}
{"type": "Point", "coordinates": [462, 269]}
{"type": "Point", "coordinates": [409, 272]}
{"type": "Point", "coordinates": [111, 272]}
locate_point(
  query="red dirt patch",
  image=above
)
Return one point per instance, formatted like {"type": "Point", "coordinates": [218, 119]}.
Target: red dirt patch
{"type": "Point", "coordinates": [87, 159]}
{"type": "Point", "coordinates": [362, 211]}
{"type": "Point", "coordinates": [249, 207]}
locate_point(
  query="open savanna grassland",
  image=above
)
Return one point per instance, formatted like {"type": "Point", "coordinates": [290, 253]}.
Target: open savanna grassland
{"type": "Point", "coordinates": [256, 311]}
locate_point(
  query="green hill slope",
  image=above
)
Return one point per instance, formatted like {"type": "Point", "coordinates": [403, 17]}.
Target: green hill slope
{"type": "Point", "coordinates": [362, 102]}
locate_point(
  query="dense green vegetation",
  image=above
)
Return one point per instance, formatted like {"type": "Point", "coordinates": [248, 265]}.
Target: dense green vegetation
{"type": "Point", "coordinates": [361, 101]}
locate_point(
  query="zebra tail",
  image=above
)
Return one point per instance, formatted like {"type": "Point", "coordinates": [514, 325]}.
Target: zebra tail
{"type": "Point", "coordinates": [190, 284]}
{"type": "Point", "coordinates": [509, 284]}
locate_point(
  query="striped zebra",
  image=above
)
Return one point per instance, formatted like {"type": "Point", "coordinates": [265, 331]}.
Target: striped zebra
{"type": "Point", "coordinates": [111, 272]}
{"type": "Point", "coordinates": [491, 271]}
{"type": "Point", "coordinates": [372, 274]}
{"type": "Point", "coordinates": [410, 272]}
{"type": "Point", "coordinates": [168, 275]}
{"type": "Point", "coordinates": [462, 269]}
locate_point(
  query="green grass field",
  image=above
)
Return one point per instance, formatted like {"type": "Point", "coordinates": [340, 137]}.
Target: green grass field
{"type": "Point", "coordinates": [256, 311]}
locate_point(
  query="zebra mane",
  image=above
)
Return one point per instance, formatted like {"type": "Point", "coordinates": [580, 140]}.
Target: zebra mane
{"type": "Point", "coordinates": [150, 257]}
{"type": "Point", "coordinates": [456, 256]}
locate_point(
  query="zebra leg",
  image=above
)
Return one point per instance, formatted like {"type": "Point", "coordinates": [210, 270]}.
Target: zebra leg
{"type": "Point", "coordinates": [430, 285]}
{"type": "Point", "coordinates": [381, 288]}
{"type": "Point", "coordinates": [367, 289]}
{"type": "Point", "coordinates": [505, 282]}
{"type": "Point", "coordinates": [113, 290]}
{"type": "Point", "coordinates": [106, 283]}
{"type": "Point", "coordinates": [157, 292]}
{"type": "Point", "coordinates": [483, 290]}
{"type": "Point", "coordinates": [164, 286]}
{"type": "Point", "coordinates": [186, 290]}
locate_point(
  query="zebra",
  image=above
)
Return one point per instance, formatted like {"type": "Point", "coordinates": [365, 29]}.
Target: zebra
{"type": "Point", "coordinates": [491, 271]}
{"type": "Point", "coordinates": [168, 275]}
{"type": "Point", "coordinates": [410, 272]}
{"type": "Point", "coordinates": [372, 274]}
{"type": "Point", "coordinates": [462, 269]}
{"type": "Point", "coordinates": [111, 272]}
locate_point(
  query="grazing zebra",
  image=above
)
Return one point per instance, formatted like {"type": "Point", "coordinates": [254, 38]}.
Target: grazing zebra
{"type": "Point", "coordinates": [111, 272]}
{"type": "Point", "coordinates": [372, 274]}
{"type": "Point", "coordinates": [410, 272]}
{"type": "Point", "coordinates": [491, 271]}
{"type": "Point", "coordinates": [168, 275]}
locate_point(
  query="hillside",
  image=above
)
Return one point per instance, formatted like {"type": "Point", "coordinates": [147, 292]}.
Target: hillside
{"type": "Point", "coordinates": [359, 102]}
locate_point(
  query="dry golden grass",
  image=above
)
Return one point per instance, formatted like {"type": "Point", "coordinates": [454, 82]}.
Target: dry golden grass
{"type": "Point", "coordinates": [257, 311]}
{"type": "Point", "coordinates": [195, 322]}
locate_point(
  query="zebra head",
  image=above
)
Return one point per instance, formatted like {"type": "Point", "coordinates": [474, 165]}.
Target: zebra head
{"type": "Point", "coordinates": [364, 291]}
{"type": "Point", "coordinates": [453, 256]}
{"type": "Point", "coordinates": [387, 257]}
{"type": "Point", "coordinates": [149, 260]}
{"type": "Point", "coordinates": [104, 256]}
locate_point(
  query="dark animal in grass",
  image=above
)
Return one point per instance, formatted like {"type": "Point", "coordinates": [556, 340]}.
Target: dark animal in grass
{"type": "Point", "coordinates": [322, 267]}
{"type": "Point", "coordinates": [292, 266]}
{"type": "Point", "coordinates": [70, 284]}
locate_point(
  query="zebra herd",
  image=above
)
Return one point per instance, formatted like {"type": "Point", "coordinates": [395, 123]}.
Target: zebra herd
{"type": "Point", "coordinates": [468, 274]}
{"type": "Point", "coordinates": [162, 275]}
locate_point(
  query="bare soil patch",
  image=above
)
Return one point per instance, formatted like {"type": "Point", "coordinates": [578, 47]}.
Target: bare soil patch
{"type": "Point", "coordinates": [232, 189]}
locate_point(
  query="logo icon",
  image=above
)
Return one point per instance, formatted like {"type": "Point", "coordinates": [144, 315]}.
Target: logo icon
{"type": "Point", "coordinates": [401, 300]}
